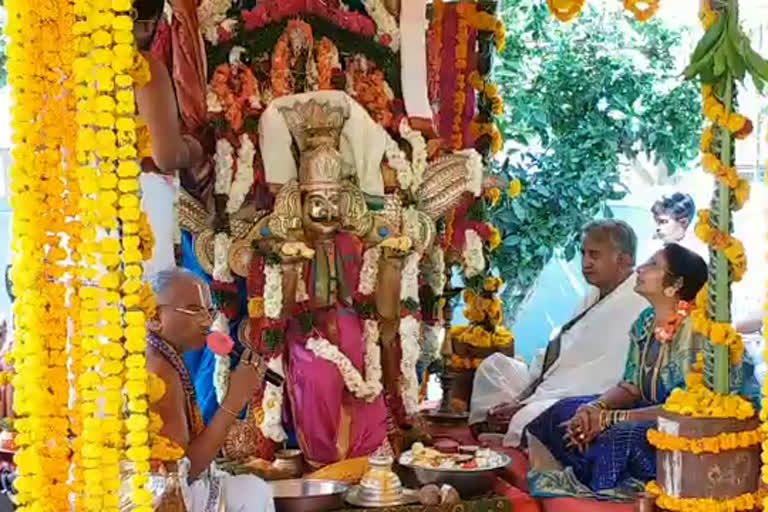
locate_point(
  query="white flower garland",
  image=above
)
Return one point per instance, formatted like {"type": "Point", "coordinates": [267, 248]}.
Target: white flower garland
{"type": "Point", "coordinates": [244, 177]}
{"type": "Point", "coordinates": [361, 388]}
{"type": "Point", "coordinates": [273, 290]}
{"type": "Point", "coordinates": [221, 370]}
{"type": "Point", "coordinates": [210, 14]}
{"type": "Point", "coordinates": [410, 331]}
{"type": "Point", "coordinates": [419, 156]}
{"type": "Point", "coordinates": [224, 160]}
{"type": "Point", "coordinates": [434, 336]}
{"type": "Point", "coordinates": [397, 160]}
{"type": "Point", "coordinates": [474, 168]}
{"type": "Point", "coordinates": [272, 405]}
{"type": "Point", "coordinates": [385, 22]}
{"type": "Point", "coordinates": [409, 287]}
{"type": "Point", "coordinates": [222, 243]}
{"type": "Point", "coordinates": [474, 261]}
{"type": "Point", "coordinates": [434, 271]}
{"type": "Point", "coordinates": [369, 272]}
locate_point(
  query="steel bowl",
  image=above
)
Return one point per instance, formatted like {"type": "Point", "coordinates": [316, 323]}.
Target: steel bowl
{"type": "Point", "coordinates": [308, 495]}
{"type": "Point", "coordinates": [467, 482]}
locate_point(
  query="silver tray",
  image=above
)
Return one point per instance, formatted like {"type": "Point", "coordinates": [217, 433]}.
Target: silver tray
{"type": "Point", "coordinates": [407, 497]}
{"type": "Point", "coordinates": [467, 482]}
{"type": "Point", "coordinates": [308, 495]}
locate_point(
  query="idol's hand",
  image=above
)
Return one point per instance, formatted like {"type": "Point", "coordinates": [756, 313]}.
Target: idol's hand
{"type": "Point", "coordinates": [244, 381]}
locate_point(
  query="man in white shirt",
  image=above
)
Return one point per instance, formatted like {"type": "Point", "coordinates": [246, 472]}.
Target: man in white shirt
{"type": "Point", "coordinates": [586, 356]}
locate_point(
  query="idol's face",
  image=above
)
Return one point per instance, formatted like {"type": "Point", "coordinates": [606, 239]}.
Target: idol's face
{"type": "Point", "coordinates": [668, 230]}
{"type": "Point", "coordinates": [321, 211]}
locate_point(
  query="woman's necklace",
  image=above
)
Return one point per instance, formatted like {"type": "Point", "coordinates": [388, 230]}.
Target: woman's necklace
{"type": "Point", "coordinates": [666, 331]}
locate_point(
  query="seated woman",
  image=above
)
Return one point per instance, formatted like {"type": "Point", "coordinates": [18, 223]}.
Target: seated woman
{"type": "Point", "coordinates": [601, 440]}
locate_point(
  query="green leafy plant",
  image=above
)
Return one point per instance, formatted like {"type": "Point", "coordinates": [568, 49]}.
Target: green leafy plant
{"type": "Point", "coordinates": [579, 98]}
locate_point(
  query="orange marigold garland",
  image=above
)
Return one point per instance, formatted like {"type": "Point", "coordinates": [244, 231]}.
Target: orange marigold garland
{"type": "Point", "coordinates": [464, 12]}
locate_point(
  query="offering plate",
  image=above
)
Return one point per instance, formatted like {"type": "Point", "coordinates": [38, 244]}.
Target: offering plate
{"type": "Point", "coordinates": [467, 482]}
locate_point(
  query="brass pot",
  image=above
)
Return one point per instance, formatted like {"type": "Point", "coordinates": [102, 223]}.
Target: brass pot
{"type": "Point", "coordinates": [289, 462]}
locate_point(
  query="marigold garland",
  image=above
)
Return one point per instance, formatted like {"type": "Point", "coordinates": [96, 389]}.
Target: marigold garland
{"type": "Point", "coordinates": [39, 60]}
{"type": "Point", "coordinates": [113, 385]}
{"type": "Point", "coordinates": [698, 401]}
{"type": "Point", "coordinates": [717, 444]}
{"type": "Point", "coordinates": [464, 12]}
{"type": "Point", "coordinates": [740, 503]}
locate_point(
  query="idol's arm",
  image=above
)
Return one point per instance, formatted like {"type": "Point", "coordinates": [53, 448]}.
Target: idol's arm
{"type": "Point", "coordinates": [157, 107]}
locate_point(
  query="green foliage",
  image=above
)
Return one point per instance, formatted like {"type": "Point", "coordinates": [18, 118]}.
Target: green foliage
{"type": "Point", "coordinates": [579, 97]}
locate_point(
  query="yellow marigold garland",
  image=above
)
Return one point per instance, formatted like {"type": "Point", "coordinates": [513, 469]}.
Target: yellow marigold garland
{"type": "Point", "coordinates": [717, 444]}
{"type": "Point", "coordinates": [744, 502]}
{"type": "Point", "coordinates": [114, 383]}
{"type": "Point", "coordinates": [719, 333]}
{"type": "Point", "coordinates": [39, 59]}
{"type": "Point", "coordinates": [698, 401]}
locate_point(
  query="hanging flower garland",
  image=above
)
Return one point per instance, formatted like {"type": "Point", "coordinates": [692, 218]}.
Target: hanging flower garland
{"type": "Point", "coordinates": [418, 153]}
{"type": "Point", "coordinates": [271, 423]}
{"type": "Point", "coordinates": [387, 27]}
{"type": "Point", "coordinates": [566, 10]}
{"type": "Point", "coordinates": [115, 307]}
{"type": "Point", "coordinates": [410, 334]}
{"type": "Point", "coordinates": [368, 388]}
{"type": "Point", "coordinates": [211, 14]}
{"type": "Point", "coordinates": [474, 260]}
{"type": "Point", "coordinates": [486, 22]}
{"type": "Point", "coordinates": [464, 11]}
{"type": "Point", "coordinates": [435, 49]}
{"type": "Point", "coordinates": [39, 57]}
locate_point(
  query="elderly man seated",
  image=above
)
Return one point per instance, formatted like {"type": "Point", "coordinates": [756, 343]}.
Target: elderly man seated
{"type": "Point", "coordinates": [586, 356]}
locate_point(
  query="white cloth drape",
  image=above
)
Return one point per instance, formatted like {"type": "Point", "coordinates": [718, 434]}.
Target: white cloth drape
{"type": "Point", "coordinates": [362, 144]}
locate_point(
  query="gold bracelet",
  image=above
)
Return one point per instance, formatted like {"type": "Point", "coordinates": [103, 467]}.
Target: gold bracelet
{"type": "Point", "coordinates": [229, 411]}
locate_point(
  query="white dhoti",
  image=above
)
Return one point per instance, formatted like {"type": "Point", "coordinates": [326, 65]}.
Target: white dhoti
{"type": "Point", "coordinates": [217, 491]}
{"type": "Point", "coordinates": [499, 379]}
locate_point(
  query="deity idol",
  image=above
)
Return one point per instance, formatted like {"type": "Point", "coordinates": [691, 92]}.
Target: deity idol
{"type": "Point", "coordinates": [322, 225]}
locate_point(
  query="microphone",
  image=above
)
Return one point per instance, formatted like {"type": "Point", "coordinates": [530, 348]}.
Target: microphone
{"type": "Point", "coordinates": [222, 344]}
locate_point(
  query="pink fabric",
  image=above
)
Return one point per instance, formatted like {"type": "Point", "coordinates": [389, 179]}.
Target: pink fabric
{"type": "Point", "coordinates": [316, 387]}
{"type": "Point", "coordinates": [447, 73]}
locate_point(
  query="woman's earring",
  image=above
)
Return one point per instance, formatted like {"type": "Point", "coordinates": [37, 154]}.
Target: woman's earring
{"type": "Point", "coordinates": [670, 291]}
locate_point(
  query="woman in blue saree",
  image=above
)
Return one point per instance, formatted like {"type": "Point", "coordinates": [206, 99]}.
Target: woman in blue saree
{"type": "Point", "coordinates": [596, 446]}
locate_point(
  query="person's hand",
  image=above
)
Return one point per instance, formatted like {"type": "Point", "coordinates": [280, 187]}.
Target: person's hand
{"type": "Point", "coordinates": [244, 381]}
{"type": "Point", "coordinates": [584, 427]}
{"type": "Point", "coordinates": [503, 413]}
